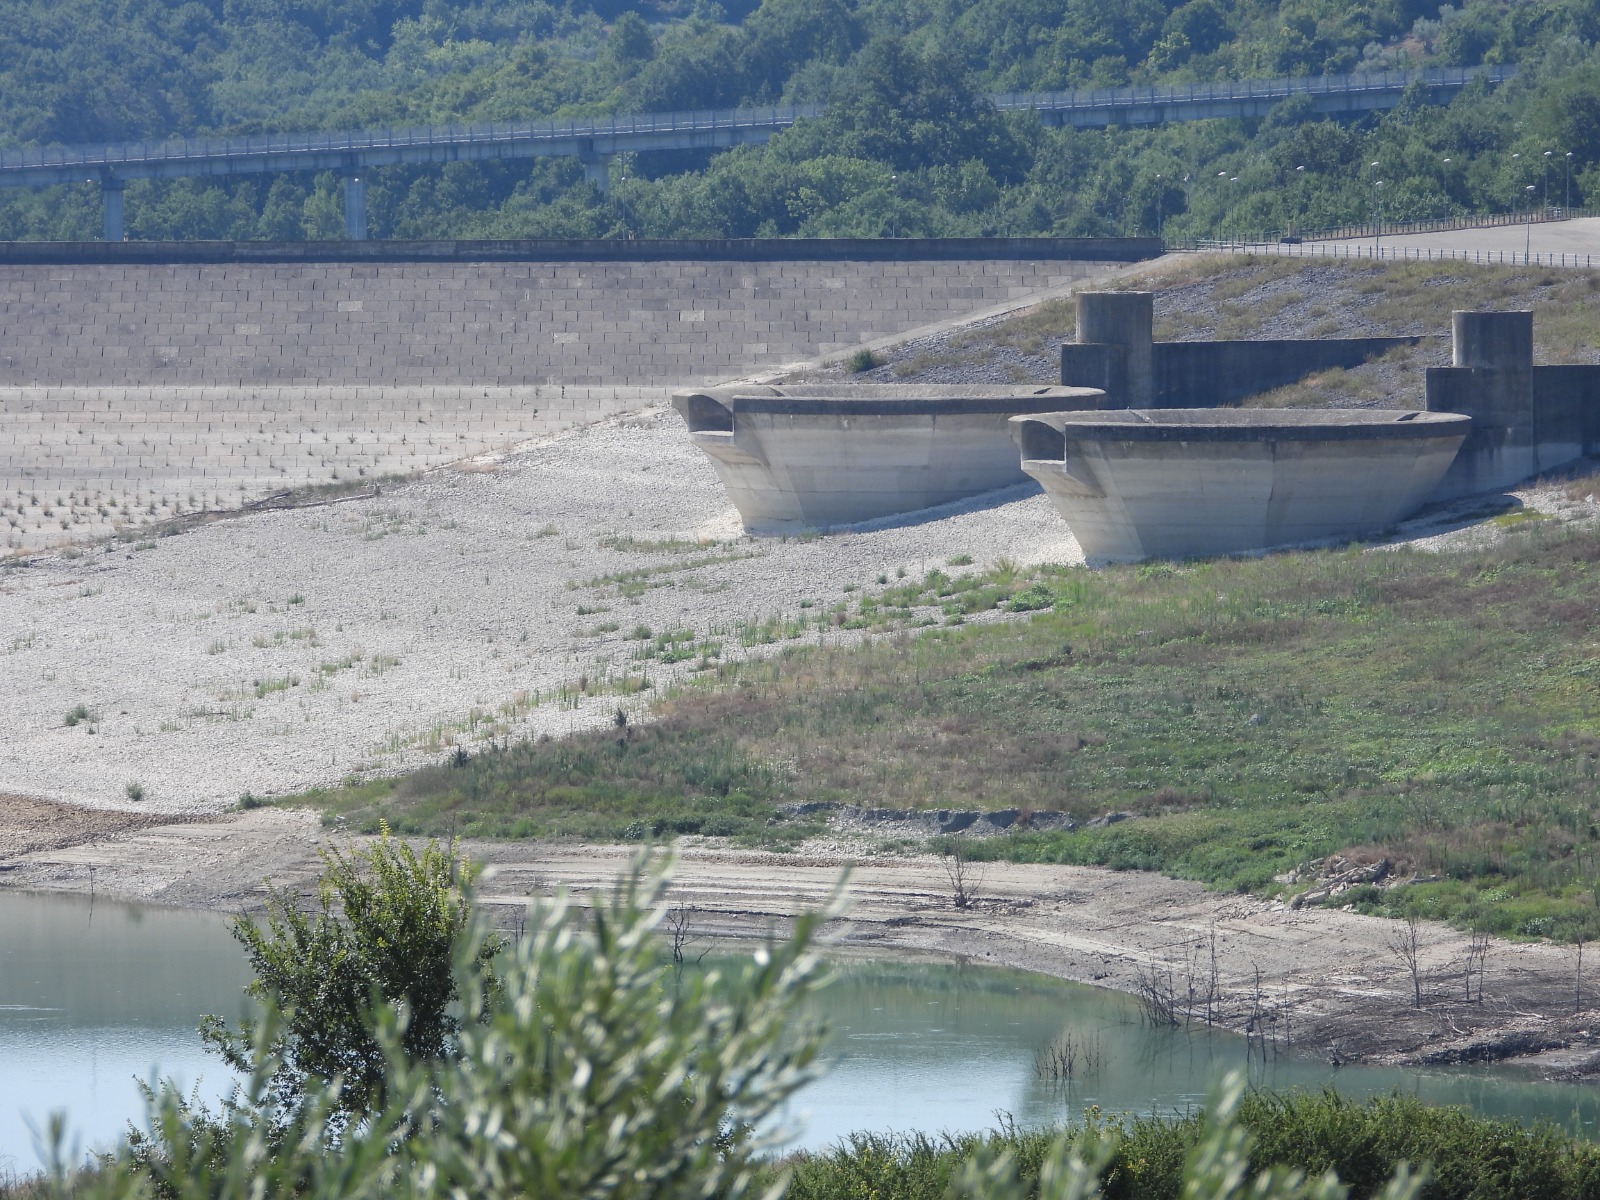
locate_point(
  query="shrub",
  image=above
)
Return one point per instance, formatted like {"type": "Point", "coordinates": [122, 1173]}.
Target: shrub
{"type": "Point", "coordinates": [862, 360]}
{"type": "Point", "coordinates": [390, 926]}
{"type": "Point", "coordinates": [590, 1070]}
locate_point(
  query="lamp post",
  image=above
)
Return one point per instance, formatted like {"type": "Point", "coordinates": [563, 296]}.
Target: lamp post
{"type": "Point", "coordinates": [1527, 229]}
{"type": "Point", "coordinates": [1300, 208]}
{"type": "Point", "coordinates": [1159, 205]}
{"type": "Point", "coordinates": [1377, 215]}
{"type": "Point", "coordinates": [1544, 205]}
{"type": "Point", "coordinates": [1377, 229]}
{"type": "Point", "coordinates": [1566, 198]}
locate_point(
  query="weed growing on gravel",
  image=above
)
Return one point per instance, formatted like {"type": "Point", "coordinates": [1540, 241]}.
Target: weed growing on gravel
{"type": "Point", "coordinates": [633, 545]}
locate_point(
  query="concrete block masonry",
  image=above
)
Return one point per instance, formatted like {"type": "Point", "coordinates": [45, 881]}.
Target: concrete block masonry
{"type": "Point", "coordinates": [133, 390]}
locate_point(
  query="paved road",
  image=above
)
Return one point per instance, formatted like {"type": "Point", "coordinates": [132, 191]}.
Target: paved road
{"type": "Point", "coordinates": [1571, 243]}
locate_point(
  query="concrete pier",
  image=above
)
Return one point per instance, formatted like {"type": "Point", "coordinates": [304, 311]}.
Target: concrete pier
{"type": "Point", "coordinates": [806, 458]}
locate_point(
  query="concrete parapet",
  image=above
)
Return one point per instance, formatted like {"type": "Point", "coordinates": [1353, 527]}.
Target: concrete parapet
{"type": "Point", "coordinates": [1525, 419]}
{"type": "Point", "coordinates": [806, 458]}
{"type": "Point", "coordinates": [1175, 483]}
{"type": "Point", "coordinates": [1117, 353]}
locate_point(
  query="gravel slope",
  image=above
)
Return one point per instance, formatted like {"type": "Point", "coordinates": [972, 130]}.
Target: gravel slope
{"type": "Point", "coordinates": [282, 650]}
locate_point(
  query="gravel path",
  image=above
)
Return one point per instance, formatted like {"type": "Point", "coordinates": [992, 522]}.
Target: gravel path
{"type": "Point", "coordinates": [285, 650]}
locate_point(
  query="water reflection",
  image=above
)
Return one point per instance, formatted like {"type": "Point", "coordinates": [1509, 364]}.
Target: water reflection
{"type": "Point", "coordinates": [94, 995]}
{"type": "Point", "coordinates": [938, 1047]}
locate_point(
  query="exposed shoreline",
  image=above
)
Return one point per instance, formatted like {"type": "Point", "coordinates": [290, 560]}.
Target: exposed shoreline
{"type": "Point", "coordinates": [1328, 983]}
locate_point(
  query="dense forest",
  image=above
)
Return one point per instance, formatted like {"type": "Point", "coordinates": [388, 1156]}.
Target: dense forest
{"type": "Point", "coordinates": [908, 145]}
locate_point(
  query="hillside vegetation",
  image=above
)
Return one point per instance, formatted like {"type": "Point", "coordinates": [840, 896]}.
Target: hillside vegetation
{"type": "Point", "coordinates": [908, 145]}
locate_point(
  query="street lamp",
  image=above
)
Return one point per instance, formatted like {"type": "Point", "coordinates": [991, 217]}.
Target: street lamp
{"type": "Point", "coordinates": [1377, 216]}
{"type": "Point", "coordinates": [1159, 205]}
{"type": "Point", "coordinates": [1376, 228]}
{"type": "Point", "coordinates": [1566, 199]}
{"type": "Point", "coordinates": [1545, 204]}
{"type": "Point", "coordinates": [1300, 178]}
{"type": "Point", "coordinates": [1527, 229]}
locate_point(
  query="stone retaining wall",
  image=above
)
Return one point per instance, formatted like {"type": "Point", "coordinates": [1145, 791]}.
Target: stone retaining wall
{"type": "Point", "coordinates": [503, 324]}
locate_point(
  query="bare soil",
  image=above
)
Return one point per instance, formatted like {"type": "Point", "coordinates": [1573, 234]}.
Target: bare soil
{"type": "Point", "coordinates": [1319, 980]}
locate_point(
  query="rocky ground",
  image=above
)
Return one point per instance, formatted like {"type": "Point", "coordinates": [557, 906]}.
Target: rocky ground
{"type": "Point", "coordinates": [513, 595]}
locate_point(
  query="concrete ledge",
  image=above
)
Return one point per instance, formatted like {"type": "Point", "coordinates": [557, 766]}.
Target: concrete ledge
{"type": "Point", "coordinates": [755, 250]}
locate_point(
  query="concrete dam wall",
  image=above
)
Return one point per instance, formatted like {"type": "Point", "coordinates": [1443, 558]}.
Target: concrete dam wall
{"type": "Point", "coordinates": [133, 390]}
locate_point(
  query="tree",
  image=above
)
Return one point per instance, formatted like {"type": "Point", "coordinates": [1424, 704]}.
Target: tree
{"type": "Point", "coordinates": [582, 1071]}
{"type": "Point", "coordinates": [391, 928]}
{"type": "Point", "coordinates": [911, 109]}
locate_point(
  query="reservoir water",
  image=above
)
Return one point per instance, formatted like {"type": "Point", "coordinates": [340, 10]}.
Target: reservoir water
{"type": "Point", "coordinates": [95, 997]}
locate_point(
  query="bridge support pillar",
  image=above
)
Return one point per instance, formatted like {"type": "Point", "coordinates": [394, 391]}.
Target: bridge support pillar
{"type": "Point", "coordinates": [596, 169]}
{"type": "Point", "coordinates": [355, 206]}
{"type": "Point", "coordinates": [111, 197]}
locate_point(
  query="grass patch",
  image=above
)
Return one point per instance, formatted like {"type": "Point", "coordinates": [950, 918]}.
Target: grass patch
{"type": "Point", "coordinates": [628, 783]}
{"type": "Point", "coordinates": [1257, 713]}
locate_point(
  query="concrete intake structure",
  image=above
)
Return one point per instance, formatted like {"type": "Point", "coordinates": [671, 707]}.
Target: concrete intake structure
{"type": "Point", "coordinates": [1186, 483]}
{"type": "Point", "coordinates": [809, 457]}
{"type": "Point", "coordinates": [1116, 351]}
{"type": "Point", "coordinates": [1525, 419]}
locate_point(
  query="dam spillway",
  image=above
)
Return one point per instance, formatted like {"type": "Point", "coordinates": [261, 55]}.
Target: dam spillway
{"type": "Point", "coordinates": [1186, 483]}
{"type": "Point", "coordinates": [798, 458]}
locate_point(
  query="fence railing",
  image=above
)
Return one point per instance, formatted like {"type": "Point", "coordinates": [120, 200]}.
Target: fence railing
{"type": "Point", "coordinates": [1278, 88]}
{"type": "Point", "coordinates": [284, 147]}
{"type": "Point", "coordinates": [290, 144]}
{"type": "Point", "coordinates": [1384, 229]}
{"type": "Point", "coordinates": [1382, 253]}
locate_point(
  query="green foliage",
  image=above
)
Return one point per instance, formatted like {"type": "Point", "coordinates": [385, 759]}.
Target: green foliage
{"type": "Point", "coordinates": [591, 1071]}
{"type": "Point", "coordinates": [626, 783]}
{"type": "Point", "coordinates": [1363, 1143]}
{"type": "Point", "coordinates": [391, 926]}
{"type": "Point", "coordinates": [1218, 1155]}
{"type": "Point", "coordinates": [907, 147]}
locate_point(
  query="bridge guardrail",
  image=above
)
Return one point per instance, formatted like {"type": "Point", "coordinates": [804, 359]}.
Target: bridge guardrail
{"type": "Point", "coordinates": [287, 146]}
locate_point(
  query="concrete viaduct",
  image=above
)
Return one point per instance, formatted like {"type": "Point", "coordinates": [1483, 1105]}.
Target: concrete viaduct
{"type": "Point", "coordinates": [596, 140]}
